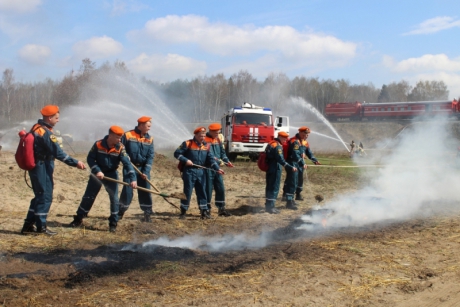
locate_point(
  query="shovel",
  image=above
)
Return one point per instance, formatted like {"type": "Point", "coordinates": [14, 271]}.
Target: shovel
{"type": "Point", "coordinates": [140, 173]}
{"type": "Point", "coordinates": [203, 167]}
{"type": "Point", "coordinates": [173, 195]}
{"type": "Point", "coordinates": [182, 195]}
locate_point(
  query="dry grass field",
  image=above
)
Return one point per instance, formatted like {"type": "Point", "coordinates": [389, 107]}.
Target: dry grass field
{"type": "Point", "coordinates": [410, 263]}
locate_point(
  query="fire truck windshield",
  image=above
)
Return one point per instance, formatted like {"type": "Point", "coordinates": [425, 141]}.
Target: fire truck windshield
{"type": "Point", "coordinates": [253, 119]}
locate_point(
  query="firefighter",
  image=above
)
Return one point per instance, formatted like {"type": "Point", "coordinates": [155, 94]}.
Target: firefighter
{"type": "Point", "coordinates": [46, 149]}
{"type": "Point", "coordinates": [352, 148]}
{"type": "Point", "coordinates": [104, 158]}
{"type": "Point", "coordinates": [139, 147]}
{"type": "Point", "coordinates": [275, 159]}
{"type": "Point", "coordinates": [298, 148]}
{"type": "Point", "coordinates": [213, 179]}
{"type": "Point", "coordinates": [195, 154]}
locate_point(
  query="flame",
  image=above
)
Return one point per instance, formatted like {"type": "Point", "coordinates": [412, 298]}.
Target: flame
{"type": "Point", "coordinates": [324, 222]}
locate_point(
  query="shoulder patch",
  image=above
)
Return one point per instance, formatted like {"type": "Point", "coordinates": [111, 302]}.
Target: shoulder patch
{"type": "Point", "coordinates": [53, 138]}
{"type": "Point", "coordinates": [280, 152]}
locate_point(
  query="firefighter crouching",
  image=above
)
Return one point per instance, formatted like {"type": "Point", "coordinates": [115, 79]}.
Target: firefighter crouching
{"type": "Point", "coordinates": [46, 149]}
{"type": "Point", "coordinates": [214, 181]}
{"type": "Point", "coordinates": [104, 158]}
{"type": "Point", "coordinates": [194, 155]}
{"type": "Point", "coordinates": [139, 147]}
{"type": "Point", "coordinates": [297, 148]}
{"type": "Point", "coordinates": [275, 159]}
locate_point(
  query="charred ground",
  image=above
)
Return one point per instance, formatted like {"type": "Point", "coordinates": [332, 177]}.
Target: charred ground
{"type": "Point", "coordinates": [414, 263]}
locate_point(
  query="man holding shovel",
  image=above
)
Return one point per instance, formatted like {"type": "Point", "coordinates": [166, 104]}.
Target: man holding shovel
{"type": "Point", "coordinates": [275, 160]}
{"type": "Point", "coordinates": [214, 181]}
{"type": "Point", "coordinates": [104, 158]}
{"type": "Point", "coordinates": [298, 147]}
{"type": "Point", "coordinates": [195, 158]}
{"type": "Point", "coordinates": [139, 147]}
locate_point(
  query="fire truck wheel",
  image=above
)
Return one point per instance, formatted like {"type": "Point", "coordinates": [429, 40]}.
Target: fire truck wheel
{"type": "Point", "coordinates": [232, 157]}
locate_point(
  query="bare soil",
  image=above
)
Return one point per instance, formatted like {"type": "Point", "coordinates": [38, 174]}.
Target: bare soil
{"type": "Point", "coordinates": [415, 263]}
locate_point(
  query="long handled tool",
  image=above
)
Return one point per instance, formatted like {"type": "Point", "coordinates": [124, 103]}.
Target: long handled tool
{"type": "Point", "coordinates": [173, 195]}
{"type": "Point", "coordinates": [203, 167]}
{"type": "Point", "coordinates": [153, 186]}
{"type": "Point", "coordinates": [146, 179]}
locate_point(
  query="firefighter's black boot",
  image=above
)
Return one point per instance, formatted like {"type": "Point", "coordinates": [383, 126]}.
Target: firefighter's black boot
{"type": "Point", "coordinates": [272, 210]}
{"type": "Point", "coordinates": [147, 218]}
{"type": "Point", "coordinates": [298, 196]}
{"type": "Point", "coordinates": [283, 198]}
{"type": "Point", "coordinates": [291, 205]}
{"type": "Point", "coordinates": [205, 214]}
{"type": "Point", "coordinates": [182, 213]}
{"type": "Point", "coordinates": [112, 227]}
{"type": "Point", "coordinates": [28, 229]}
{"type": "Point", "coordinates": [45, 231]}
{"type": "Point", "coordinates": [223, 212]}
{"type": "Point", "coordinates": [77, 222]}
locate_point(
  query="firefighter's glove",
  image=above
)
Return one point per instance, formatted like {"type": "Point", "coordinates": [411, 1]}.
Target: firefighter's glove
{"type": "Point", "coordinates": [317, 163]}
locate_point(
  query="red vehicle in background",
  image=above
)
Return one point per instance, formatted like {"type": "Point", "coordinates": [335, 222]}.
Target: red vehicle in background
{"type": "Point", "coordinates": [248, 129]}
{"type": "Point", "coordinates": [391, 110]}
{"type": "Point", "coordinates": [342, 110]}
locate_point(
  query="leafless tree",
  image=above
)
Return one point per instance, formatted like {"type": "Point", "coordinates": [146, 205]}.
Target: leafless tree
{"type": "Point", "coordinates": [8, 87]}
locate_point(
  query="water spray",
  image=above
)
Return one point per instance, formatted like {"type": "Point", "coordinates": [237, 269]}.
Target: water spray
{"type": "Point", "coordinates": [303, 103]}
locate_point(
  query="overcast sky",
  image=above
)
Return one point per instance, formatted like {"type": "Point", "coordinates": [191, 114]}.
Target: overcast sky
{"type": "Point", "coordinates": [361, 41]}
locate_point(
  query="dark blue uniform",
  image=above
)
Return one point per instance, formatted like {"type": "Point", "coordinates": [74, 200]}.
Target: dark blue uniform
{"type": "Point", "coordinates": [275, 160]}
{"type": "Point", "coordinates": [103, 159]}
{"type": "Point", "coordinates": [215, 181]}
{"type": "Point", "coordinates": [296, 151]}
{"type": "Point", "coordinates": [46, 149]}
{"type": "Point", "coordinates": [309, 154]}
{"type": "Point", "coordinates": [141, 152]}
{"type": "Point", "coordinates": [192, 176]}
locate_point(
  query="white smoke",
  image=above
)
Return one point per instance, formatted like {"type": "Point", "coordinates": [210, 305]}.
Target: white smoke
{"type": "Point", "coordinates": [418, 179]}
{"type": "Point", "coordinates": [213, 244]}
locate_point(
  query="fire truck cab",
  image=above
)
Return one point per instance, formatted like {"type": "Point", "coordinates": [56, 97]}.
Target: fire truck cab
{"type": "Point", "coordinates": [248, 129]}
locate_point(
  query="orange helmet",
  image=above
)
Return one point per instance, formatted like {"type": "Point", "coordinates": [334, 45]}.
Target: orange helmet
{"type": "Point", "coordinates": [304, 129]}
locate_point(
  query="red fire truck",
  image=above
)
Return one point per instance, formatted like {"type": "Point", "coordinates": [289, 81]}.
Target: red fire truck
{"type": "Point", "coordinates": [248, 129]}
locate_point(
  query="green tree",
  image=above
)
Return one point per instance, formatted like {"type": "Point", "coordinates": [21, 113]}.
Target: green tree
{"type": "Point", "coordinates": [384, 95]}
{"type": "Point", "coordinates": [429, 91]}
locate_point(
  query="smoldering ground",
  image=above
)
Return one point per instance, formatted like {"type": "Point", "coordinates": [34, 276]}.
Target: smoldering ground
{"type": "Point", "coordinates": [416, 180]}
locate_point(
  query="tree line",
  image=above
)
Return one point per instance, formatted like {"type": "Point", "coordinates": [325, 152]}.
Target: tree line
{"type": "Point", "coordinates": [203, 98]}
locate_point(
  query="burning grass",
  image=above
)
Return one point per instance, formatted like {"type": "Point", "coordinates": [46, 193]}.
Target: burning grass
{"type": "Point", "coordinates": [372, 265]}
